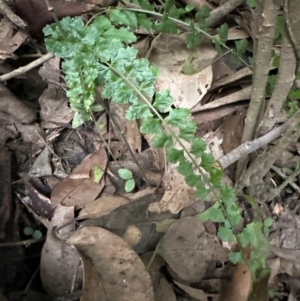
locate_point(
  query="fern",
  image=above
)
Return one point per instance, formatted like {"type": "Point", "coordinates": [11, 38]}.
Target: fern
{"type": "Point", "coordinates": [98, 54]}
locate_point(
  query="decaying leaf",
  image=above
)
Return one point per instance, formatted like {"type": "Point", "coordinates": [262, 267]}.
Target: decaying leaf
{"type": "Point", "coordinates": [121, 271]}
{"type": "Point", "coordinates": [79, 188]}
{"type": "Point", "coordinates": [189, 250]}
{"type": "Point", "coordinates": [59, 261]}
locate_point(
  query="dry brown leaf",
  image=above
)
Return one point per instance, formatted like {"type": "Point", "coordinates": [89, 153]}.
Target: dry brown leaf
{"type": "Point", "coordinates": [129, 128]}
{"type": "Point", "coordinates": [239, 286]}
{"type": "Point", "coordinates": [233, 131]}
{"type": "Point", "coordinates": [59, 262]}
{"type": "Point", "coordinates": [11, 105]}
{"type": "Point", "coordinates": [92, 285]}
{"type": "Point", "coordinates": [79, 188]}
{"type": "Point", "coordinates": [55, 110]}
{"type": "Point", "coordinates": [103, 206]}
{"type": "Point", "coordinates": [178, 194]}
{"type": "Point", "coordinates": [10, 41]}
{"type": "Point", "coordinates": [37, 15]}
{"type": "Point", "coordinates": [188, 249]}
{"type": "Point", "coordinates": [122, 273]}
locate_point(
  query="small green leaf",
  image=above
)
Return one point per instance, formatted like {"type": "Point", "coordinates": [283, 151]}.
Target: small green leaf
{"type": "Point", "coordinates": [204, 12]}
{"type": "Point", "coordinates": [198, 147]}
{"type": "Point", "coordinates": [123, 17]}
{"type": "Point", "coordinates": [213, 214]}
{"type": "Point", "coordinates": [193, 38]}
{"type": "Point", "coordinates": [125, 173]}
{"type": "Point", "coordinates": [216, 176]}
{"type": "Point", "coordinates": [174, 155]}
{"type": "Point", "coordinates": [37, 234]}
{"type": "Point", "coordinates": [28, 231]}
{"type": "Point", "coordinates": [144, 21]}
{"type": "Point", "coordinates": [129, 185]}
{"type": "Point", "coordinates": [185, 168]}
{"type": "Point", "coordinates": [226, 234]}
{"type": "Point", "coordinates": [268, 222]}
{"type": "Point", "coordinates": [138, 110]}
{"type": "Point", "coordinates": [163, 101]}
{"type": "Point", "coordinates": [102, 23]}
{"type": "Point", "coordinates": [97, 173]}
{"type": "Point", "coordinates": [202, 193]}
{"type": "Point", "coordinates": [207, 161]}
{"type": "Point", "coordinates": [151, 126]}
{"type": "Point", "coordinates": [192, 180]}
{"type": "Point", "coordinates": [235, 257]}
{"type": "Point", "coordinates": [178, 117]}
{"type": "Point", "coordinates": [241, 46]}
{"type": "Point", "coordinates": [77, 120]}
{"type": "Point", "coordinates": [187, 132]}
{"type": "Point", "coordinates": [121, 34]}
{"type": "Point", "coordinates": [162, 140]}
{"type": "Point", "coordinates": [223, 32]}
{"type": "Point", "coordinates": [190, 7]}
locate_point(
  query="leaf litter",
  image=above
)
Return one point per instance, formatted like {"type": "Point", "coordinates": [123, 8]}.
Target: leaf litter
{"type": "Point", "coordinates": [116, 230]}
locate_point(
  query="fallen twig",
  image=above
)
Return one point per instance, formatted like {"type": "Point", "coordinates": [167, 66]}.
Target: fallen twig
{"type": "Point", "coordinates": [26, 68]}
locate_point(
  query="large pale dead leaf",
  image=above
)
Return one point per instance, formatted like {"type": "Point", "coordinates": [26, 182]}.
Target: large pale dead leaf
{"type": "Point", "coordinates": [122, 273]}
{"type": "Point", "coordinates": [189, 250]}
{"type": "Point", "coordinates": [59, 261]}
{"type": "Point", "coordinates": [186, 90]}
{"type": "Point", "coordinates": [177, 193]}
{"type": "Point", "coordinates": [171, 53]}
{"type": "Point", "coordinates": [80, 188]}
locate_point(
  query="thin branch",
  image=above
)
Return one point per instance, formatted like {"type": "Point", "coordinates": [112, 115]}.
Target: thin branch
{"type": "Point", "coordinates": [251, 146]}
{"type": "Point", "coordinates": [262, 164]}
{"type": "Point", "coordinates": [26, 68]}
{"type": "Point", "coordinates": [222, 11]}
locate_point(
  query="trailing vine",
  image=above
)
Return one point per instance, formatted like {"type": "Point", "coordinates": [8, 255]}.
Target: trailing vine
{"type": "Point", "coordinates": [98, 54]}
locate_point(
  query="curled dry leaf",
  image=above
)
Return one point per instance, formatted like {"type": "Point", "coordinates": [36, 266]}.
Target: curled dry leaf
{"type": "Point", "coordinates": [79, 188]}
{"type": "Point", "coordinates": [197, 294]}
{"type": "Point", "coordinates": [59, 261]}
{"type": "Point", "coordinates": [189, 250]}
{"type": "Point", "coordinates": [122, 273]}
